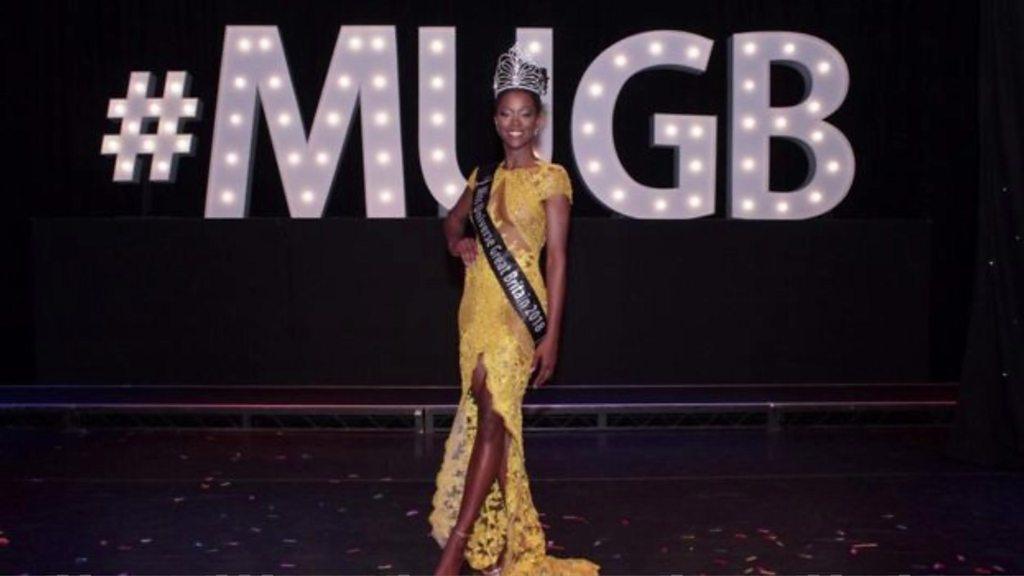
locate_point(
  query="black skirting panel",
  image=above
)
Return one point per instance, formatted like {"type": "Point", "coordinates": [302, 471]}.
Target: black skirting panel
{"type": "Point", "coordinates": [348, 301]}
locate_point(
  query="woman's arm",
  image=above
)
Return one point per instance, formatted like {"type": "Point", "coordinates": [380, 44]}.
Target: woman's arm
{"type": "Point", "coordinates": [546, 353]}
{"type": "Point", "coordinates": [557, 208]}
{"type": "Point", "coordinates": [455, 221]}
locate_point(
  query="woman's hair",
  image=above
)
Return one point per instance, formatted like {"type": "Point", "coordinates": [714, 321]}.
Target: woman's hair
{"type": "Point", "coordinates": [537, 104]}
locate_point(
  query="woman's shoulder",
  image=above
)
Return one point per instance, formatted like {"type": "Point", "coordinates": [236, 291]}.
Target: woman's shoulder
{"type": "Point", "coordinates": [556, 168]}
{"type": "Point", "coordinates": [555, 181]}
{"type": "Point", "coordinates": [552, 170]}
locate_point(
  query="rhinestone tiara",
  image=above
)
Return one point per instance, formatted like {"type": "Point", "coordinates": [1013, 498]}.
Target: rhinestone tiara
{"type": "Point", "coordinates": [517, 70]}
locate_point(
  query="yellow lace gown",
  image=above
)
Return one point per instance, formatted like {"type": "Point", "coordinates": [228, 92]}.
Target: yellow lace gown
{"type": "Point", "coordinates": [490, 329]}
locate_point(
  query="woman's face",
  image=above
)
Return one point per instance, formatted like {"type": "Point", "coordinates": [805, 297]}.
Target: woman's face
{"type": "Point", "coordinates": [517, 119]}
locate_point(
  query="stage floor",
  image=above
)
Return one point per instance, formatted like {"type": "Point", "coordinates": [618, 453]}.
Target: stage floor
{"type": "Point", "coordinates": [857, 500]}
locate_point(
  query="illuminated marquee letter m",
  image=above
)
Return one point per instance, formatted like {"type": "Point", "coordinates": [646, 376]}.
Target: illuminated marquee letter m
{"type": "Point", "coordinates": [254, 70]}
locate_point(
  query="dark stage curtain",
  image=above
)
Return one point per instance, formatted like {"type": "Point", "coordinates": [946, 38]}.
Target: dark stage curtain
{"type": "Point", "coordinates": [989, 427]}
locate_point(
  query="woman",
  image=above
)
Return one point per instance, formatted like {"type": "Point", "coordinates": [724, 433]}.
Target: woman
{"type": "Point", "coordinates": [482, 509]}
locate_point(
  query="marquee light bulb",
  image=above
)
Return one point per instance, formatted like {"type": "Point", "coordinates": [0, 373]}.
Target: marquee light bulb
{"type": "Point", "coordinates": [747, 204]}
{"type": "Point", "coordinates": [596, 89]}
{"type": "Point", "coordinates": [660, 204]}
{"type": "Point", "coordinates": [377, 43]}
{"type": "Point", "coordinates": [655, 48]}
{"type": "Point", "coordinates": [694, 201]}
{"type": "Point", "coordinates": [381, 118]}
{"type": "Point", "coordinates": [815, 197]}
{"type": "Point", "coordinates": [747, 164]}
{"type": "Point", "coordinates": [692, 52]}
{"type": "Point", "coordinates": [789, 48]}
{"type": "Point", "coordinates": [265, 44]}
{"type": "Point", "coordinates": [244, 45]}
{"type": "Point", "coordinates": [451, 189]}
{"type": "Point", "coordinates": [749, 85]}
{"type": "Point", "coordinates": [240, 82]}
{"type": "Point", "coordinates": [437, 82]}
{"type": "Point", "coordinates": [621, 60]}
{"type": "Point", "coordinates": [437, 118]}
{"type": "Point", "coordinates": [379, 81]}
{"type": "Point", "coordinates": [182, 144]}
{"type": "Point", "coordinates": [127, 165]}
{"type": "Point", "coordinates": [227, 196]}
{"type": "Point", "coordinates": [832, 166]}
{"type": "Point", "coordinates": [231, 158]}
{"type": "Point", "coordinates": [383, 158]}
{"type": "Point", "coordinates": [140, 88]}
{"type": "Point", "coordinates": [781, 122]}
{"type": "Point", "coordinates": [355, 44]}
{"type": "Point", "coordinates": [696, 166]}
{"type": "Point", "coordinates": [749, 48]}
{"type": "Point", "coordinates": [696, 131]}
{"type": "Point", "coordinates": [385, 196]}
{"type": "Point", "coordinates": [321, 158]}
{"type": "Point", "coordinates": [163, 166]}
{"type": "Point", "coordinates": [671, 130]}
{"type": "Point", "coordinates": [344, 81]}
{"type": "Point", "coordinates": [594, 166]}
{"type": "Point", "coordinates": [437, 46]}
{"type": "Point", "coordinates": [294, 158]}
{"type": "Point", "coordinates": [782, 207]}
{"type": "Point", "coordinates": [437, 155]}
{"type": "Point", "coordinates": [618, 195]}
{"type": "Point", "coordinates": [588, 128]}
{"type": "Point", "coordinates": [274, 82]}
{"type": "Point", "coordinates": [824, 67]}
{"type": "Point", "coordinates": [307, 196]}
{"type": "Point", "coordinates": [749, 122]}
{"type": "Point", "coordinates": [284, 119]}
{"type": "Point", "coordinates": [535, 47]}
{"type": "Point", "coordinates": [235, 119]}
{"type": "Point", "coordinates": [333, 118]}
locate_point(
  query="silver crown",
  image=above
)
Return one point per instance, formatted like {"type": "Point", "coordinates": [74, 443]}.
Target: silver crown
{"type": "Point", "coordinates": [517, 70]}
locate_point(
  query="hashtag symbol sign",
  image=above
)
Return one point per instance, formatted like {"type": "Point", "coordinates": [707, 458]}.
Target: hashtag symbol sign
{"type": "Point", "coordinates": [138, 111]}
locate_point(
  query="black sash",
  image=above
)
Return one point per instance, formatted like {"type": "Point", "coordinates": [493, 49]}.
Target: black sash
{"type": "Point", "coordinates": [511, 277]}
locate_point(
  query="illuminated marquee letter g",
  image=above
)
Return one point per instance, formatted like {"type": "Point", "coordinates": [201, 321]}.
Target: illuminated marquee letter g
{"type": "Point", "coordinates": [693, 137]}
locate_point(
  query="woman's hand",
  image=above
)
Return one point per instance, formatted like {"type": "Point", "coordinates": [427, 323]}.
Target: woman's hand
{"type": "Point", "coordinates": [465, 248]}
{"type": "Point", "coordinates": [545, 356]}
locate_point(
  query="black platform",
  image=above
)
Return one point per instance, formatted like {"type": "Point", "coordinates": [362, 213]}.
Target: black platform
{"type": "Point", "coordinates": [426, 408]}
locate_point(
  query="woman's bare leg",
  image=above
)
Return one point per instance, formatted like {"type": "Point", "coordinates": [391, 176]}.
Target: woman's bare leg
{"type": "Point", "coordinates": [485, 463]}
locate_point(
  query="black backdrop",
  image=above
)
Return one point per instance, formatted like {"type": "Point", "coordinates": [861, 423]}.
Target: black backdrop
{"type": "Point", "coordinates": [910, 116]}
{"type": "Point", "coordinates": [989, 426]}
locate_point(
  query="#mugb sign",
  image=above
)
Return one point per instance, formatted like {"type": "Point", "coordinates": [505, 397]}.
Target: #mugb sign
{"type": "Point", "coordinates": [255, 79]}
